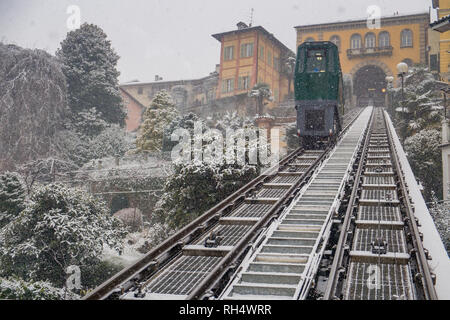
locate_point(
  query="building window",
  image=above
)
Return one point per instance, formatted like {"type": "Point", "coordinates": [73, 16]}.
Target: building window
{"type": "Point", "coordinates": [247, 50]}
{"type": "Point", "coordinates": [370, 40]}
{"type": "Point", "coordinates": [406, 37]}
{"type": "Point", "coordinates": [227, 85]}
{"type": "Point", "coordinates": [140, 90]}
{"type": "Point", "coordinates": [355, 41]}
{"type": "Point", "coordinates": [310, 39]}
{"type": "Point", "coordinates": [384, 39]}
{"type": "Point", "coordinates": [261, 52]}
{"type": "Point", "coordinates": [276, 63]}
{"type": "Point", "coordinates": [244, 83]}
{"type": "Point", "coordinates": [337, 41]}
{"type": "Point", "coordinates": [269, 58]}
{"type": "Point", "coordinates": [228, 53]}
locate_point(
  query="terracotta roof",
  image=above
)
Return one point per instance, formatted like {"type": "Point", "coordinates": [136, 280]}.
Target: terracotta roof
{"type": "Point", "coordinates": [219, 36]}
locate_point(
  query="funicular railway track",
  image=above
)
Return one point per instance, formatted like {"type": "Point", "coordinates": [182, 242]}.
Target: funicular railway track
{"type": "Point", "coordinates": [190, 264]}
{"type": "Point", "coordinates": [379, 255]}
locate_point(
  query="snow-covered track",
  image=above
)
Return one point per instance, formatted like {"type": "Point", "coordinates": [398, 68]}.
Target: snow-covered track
{"type": "Point", "coordinates": [380, 255]}
{"type": "Point", "coordinates": [285, 264]}
{"type": "Point", "coordinates": [198, 260]}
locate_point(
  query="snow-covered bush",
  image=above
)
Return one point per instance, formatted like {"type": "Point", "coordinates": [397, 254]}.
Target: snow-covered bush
{"type": "Point", "coordinates": [157, 117]}
{"type": "Point", "coordinates": [195, 188]}
{"type": "Point", "coordinates": [441, 215]}
{"type": "Point", "coordinates": [424, 155]}
{"type": "Point", "coordinates": [261, 92]}
{"type": "Point", "coordinates": [113, 141]}
{"type": "Point", "coordinates": [80, 149]}
{"type": "Point", "coordinates": [415, 109]}
{"type": "Point", "coordinates": [12, 197]}
{"type": "Point", "coordinates": [18, 289]}
{"type": "Point", "coordinates": [59, 227]}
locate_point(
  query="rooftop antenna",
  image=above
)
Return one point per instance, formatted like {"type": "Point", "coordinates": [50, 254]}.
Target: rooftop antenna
{"type": "Point", "coordinates": [251, 17]}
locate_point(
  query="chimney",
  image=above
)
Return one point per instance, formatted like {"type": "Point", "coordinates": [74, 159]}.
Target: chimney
{"type": "Point", "coordinates": [218, 68]}
{"type": "Point", "coordinates": [241, 25]}
{"type": "Point", "coordinates": [158, 78]}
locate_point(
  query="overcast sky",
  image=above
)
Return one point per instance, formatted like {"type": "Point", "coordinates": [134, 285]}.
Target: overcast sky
{"type": "Point", "coordinates": [172, 38]}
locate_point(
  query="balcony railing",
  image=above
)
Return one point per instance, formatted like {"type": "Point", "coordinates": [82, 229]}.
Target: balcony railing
{"type": "Point", "coordinates": [369, 52]}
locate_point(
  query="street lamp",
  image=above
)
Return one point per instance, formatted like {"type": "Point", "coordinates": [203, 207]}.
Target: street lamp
{"type": "Point", "coordinates": [389, 80]}
{"type": "Point", "coordinates": [402, 69]}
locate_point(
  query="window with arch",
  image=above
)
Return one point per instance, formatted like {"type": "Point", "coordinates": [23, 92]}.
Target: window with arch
{"type": "Point", "coordinates": [384, 39]}
{"type": "Point", "coordinates": [370, 40]}
{"type": "Point", "coordinates": [355, 41]}
{"type": "Point", "coordinates": [310, 39]}
{"type": "Point", "coordinates": [406, 38]}
{"type": "Point", "coordinates": [337, 41]}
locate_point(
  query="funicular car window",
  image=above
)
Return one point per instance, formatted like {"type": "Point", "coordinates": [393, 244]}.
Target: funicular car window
{"type": "Point", "coordinates": [316, 61]}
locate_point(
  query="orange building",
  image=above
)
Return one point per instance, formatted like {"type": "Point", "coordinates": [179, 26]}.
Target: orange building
{"type": "Point", "coordinates": [251, 55]}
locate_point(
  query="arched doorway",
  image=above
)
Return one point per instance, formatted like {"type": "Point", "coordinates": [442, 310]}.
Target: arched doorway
{"type": "Point", "coordinates": [369, 85]}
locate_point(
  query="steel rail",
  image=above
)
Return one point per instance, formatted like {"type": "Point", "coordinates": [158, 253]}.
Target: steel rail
{"type": "Point", "coordinates": [427, 281]}
{"type": "Point", "coordinates": [173, 245]}
{"type": "Point", "coordinates": [220, 269]}
{"type": "Point", "coordinates": [101, 291]}
{"type": "Point", "coordinates": [340, 248]}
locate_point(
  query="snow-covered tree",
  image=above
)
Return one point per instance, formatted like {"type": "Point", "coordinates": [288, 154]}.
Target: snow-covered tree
{"type": "Point", "coordinates": [79, 149]}
{"type": "Point", "coordinates": [196, 187]}
{"type": "Point", "coordinates": [157, 117]}
{"type": "Point", "coordinates": [440, 212]}
{"type": "Point", "coordinates": [32, 104]}
{"type": "Point", "coordinates": [17, 289]}
{"type": "Point", "coordinates": [12, 197]}
{"type": "Point", "coordinates": [416, 109]}
{"type": "Point", "coordinates": [87, 123]}
{"type": "Point", "coordinates": [261, 92]}
{"type": "Point", "coordinates": [113, 141]}
{"type": "Point", "coordinates": [424, 155]}
{"type": "Point", "coordinates": [180, 122]}
{"type": "Point", "coordinates": [45, 171]}
{"type": "Point", "coordinates": [59, 227]}
{"type": "Point", "coordinates": [90, 66]}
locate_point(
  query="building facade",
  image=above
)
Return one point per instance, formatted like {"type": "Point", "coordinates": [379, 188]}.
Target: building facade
{"type": "Point", "coordinates": [446, 159]}
{"type": "Point", "coordinates": [442, 27]}
{"type": "Point", "coordinates": [189, 96]}
{"type": "Point", "coordinates": [251, 55]}
{"type": "Point", "coordinates": [368, 55]}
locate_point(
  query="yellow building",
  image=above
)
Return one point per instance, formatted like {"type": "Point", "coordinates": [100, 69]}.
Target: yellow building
{"type": "Point", "coordinates": [368, 55]}
{"type": "Point", "coordinates": [442, 25]}
{"type": "Point", "coordinates": [251, 55]}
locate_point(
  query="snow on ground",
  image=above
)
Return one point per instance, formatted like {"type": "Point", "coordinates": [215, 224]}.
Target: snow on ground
{"type": "Point", "coordinates": [432, 241]}
{"type": "Point", "coordinates": [130, 253]}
